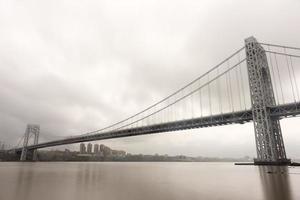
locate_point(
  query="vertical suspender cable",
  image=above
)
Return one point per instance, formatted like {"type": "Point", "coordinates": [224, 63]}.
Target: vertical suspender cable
{"type": "Point", "coordinates": [192, 105]}
{"type": "Point", "coordinates": [296, 85]}
{"type": "Point", "coordinates": [200, 95]}
{"type": "Point", "coordinates": [238, 86]}
{"type": "Point", "coordinates": [219, 92]}
{"type": "Point", "coordinates": [230, 88]}
{"type": "Point", "coordinates": [279, 78]}
{"type": "Point", "coordinates": [142, 119]}
{"type": "Point", "coordinates": [147, 118]}
{"type": "Point", "coordinates": [227, 92]}
{"type": "Point", "coordinates": [186, 105]}
{"type": "Point", "coordinates": [150, 117]}
{"type": "Point", "coordinates": [288, 66]}
{"type": "Point", "coordinates": [171, 110]}
{"type": "Point", "coordinates": [176, 109]}
{"type": "Point", "coordinates": [273, 73]}
{"type": "Point", "coordinates": [165, 111]}
{"type": "Point", "coordinates": [165, 116]}
{"type": "Point", "coordinates": [209, 96]}
{"type": "Point", "coordinates": [153, 116]}
{"type": "Point", "coordinates": [242, 81]}
{"type": "Point", "coordinates": [183, 108]}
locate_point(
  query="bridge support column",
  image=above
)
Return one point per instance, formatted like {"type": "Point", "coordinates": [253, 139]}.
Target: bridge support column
{"type": "Point", "coordinates": [269, 143]}
{"type": "Point", "coordinates": [31, 129]}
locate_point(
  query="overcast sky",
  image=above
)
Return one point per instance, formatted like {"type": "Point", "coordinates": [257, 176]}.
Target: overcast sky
{"type": "Point", "coordinates": [74, 66]}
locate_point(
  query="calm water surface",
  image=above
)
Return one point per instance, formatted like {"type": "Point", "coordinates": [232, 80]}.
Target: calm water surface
{"type": "Point", "coordinates": [145, 181]}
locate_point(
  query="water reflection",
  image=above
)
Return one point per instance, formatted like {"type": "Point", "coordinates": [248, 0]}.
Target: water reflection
{"type": "Point", "coordinates": [24, 182]}
{"type": "Point", "coordinates": [275, 182]}
{"type": "Point", "coordinates": [147, 181]}
{"type": "Point", "coordinates": [88, 180]}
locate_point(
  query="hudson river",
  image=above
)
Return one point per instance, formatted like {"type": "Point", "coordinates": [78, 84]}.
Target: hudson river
{"type": "Point", "coordinates": [146, 181]}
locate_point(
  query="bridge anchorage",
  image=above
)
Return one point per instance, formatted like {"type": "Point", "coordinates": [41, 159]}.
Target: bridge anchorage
{"type": "Point", "coordinates": [237, 90]}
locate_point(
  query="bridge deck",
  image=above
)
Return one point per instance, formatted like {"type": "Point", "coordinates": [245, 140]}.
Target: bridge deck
{"type": "Point", "coordinates": [281, 111]}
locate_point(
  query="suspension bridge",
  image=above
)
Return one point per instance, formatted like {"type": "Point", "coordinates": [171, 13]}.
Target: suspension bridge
{"type": "Point", "coordinates": [258, 83]}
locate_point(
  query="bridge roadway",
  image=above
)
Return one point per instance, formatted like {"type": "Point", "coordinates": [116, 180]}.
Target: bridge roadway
{"type": "Point", "coordinates": [240, 117]}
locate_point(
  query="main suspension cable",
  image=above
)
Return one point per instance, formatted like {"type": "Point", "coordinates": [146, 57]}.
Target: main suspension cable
{"type": "Point", "coordinates": [164, 99]}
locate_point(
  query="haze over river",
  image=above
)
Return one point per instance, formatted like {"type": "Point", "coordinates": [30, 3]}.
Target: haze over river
{"type": "Point", "coordinates": [146, 181]}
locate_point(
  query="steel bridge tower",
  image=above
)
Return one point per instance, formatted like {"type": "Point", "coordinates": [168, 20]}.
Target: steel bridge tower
{"type": "Point", "coordinates": [269, 142]}
{"type": "Point", "coordinates": [34, 130]}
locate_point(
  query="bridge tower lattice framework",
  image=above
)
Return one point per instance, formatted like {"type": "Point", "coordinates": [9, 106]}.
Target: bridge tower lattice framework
{"type": "Point", "coordinates": [268, 136]}
{"type": "Point", "coordinates": [31, 129]}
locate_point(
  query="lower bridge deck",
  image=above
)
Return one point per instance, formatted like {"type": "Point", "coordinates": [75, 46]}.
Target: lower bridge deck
{"type": "Point", "coordinates": [240, 117]}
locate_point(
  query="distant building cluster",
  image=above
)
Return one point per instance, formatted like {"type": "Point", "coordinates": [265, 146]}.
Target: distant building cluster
{"type": "Point", "coordinates": [100, 150]}
{"type": "Point", "coordinates": [99, 153]}
{"type": "Point", "coordinates": [3, 146]}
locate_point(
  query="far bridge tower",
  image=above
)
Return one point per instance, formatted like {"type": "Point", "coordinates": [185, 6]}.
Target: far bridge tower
{"type": "Point", "coordinates": [31, 130]}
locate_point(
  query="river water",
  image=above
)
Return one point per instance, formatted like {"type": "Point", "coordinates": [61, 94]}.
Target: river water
{"type": "Point", "coordinates": [145, 181]}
